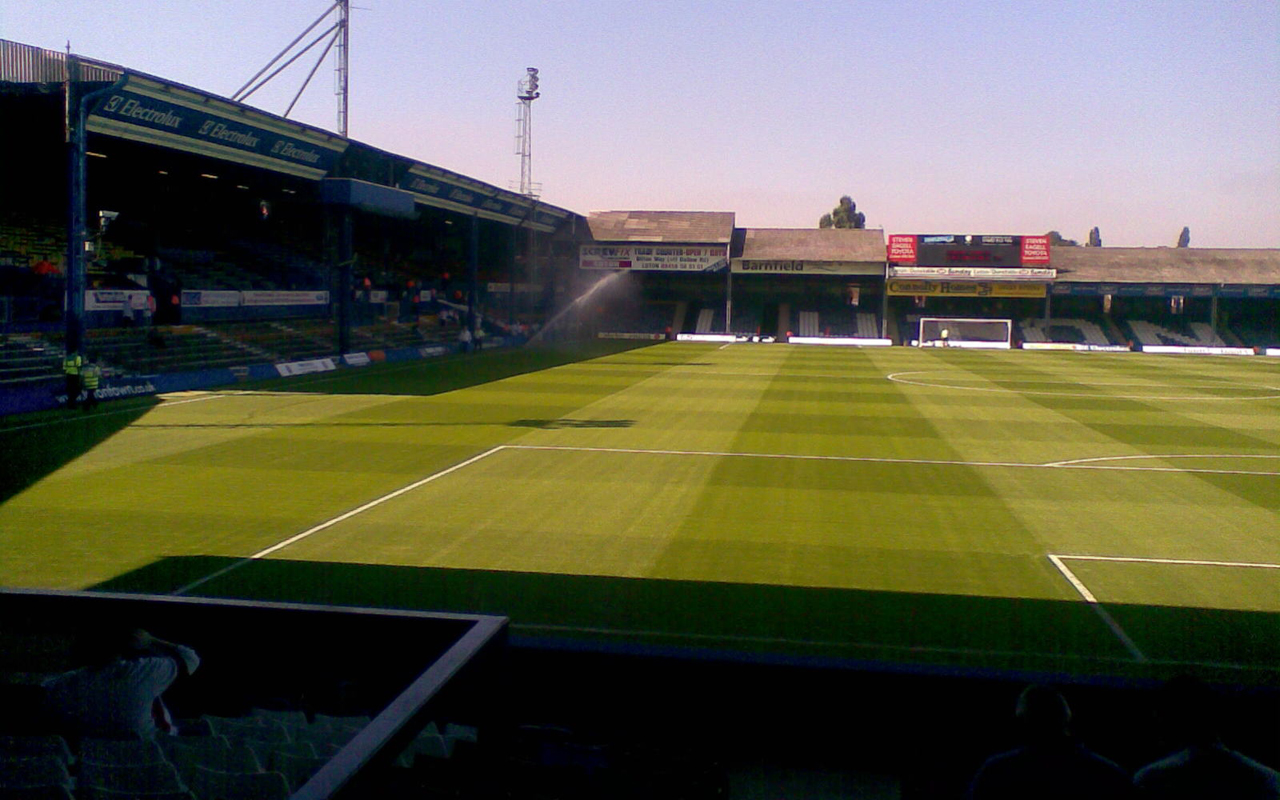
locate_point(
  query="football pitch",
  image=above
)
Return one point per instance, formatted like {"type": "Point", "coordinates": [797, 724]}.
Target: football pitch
{"type": "Point", "coordinates": [1084, 514]}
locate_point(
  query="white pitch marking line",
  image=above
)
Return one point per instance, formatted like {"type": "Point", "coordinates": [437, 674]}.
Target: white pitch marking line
{"type": "Point", "coordinates": [191, 400]}
{"type": "Point", "coordinates": [340, 518]}
{"type": "Point", "coordinates": [81, 418]}
{"type": "Point", "coordinates": [875, 460]}
{"type": "Point", "coordinates": [1097, 607]}
{"type": "Point", "coordinates": [896, 377]}
{"type": "Point", "coordinates": [1191, 562]}
{"type": "Point", "coordinates": [731, 637]}
{"type": "Point", "coordinates": [1015, 377]}
{"type": "Point", "coordinates": [1074, 461]}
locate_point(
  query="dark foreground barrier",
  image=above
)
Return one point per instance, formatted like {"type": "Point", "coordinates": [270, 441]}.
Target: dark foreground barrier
{"type": "Point", "coordinates": [404, 669]}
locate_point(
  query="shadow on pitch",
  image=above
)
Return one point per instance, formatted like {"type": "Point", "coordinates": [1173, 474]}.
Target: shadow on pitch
{"type": "Point", "coordinates": [541, 424]}
{"type": "Point", "coordinates": [563, 424]}
{"type": "Point", "coordinates": [36, 445]}
{"type": "Point", "coordinates": [662, 363]}
{"type": "Point", "coordinates": [954, 634]}
{"type": "Point", "coordinates": [437, 376]}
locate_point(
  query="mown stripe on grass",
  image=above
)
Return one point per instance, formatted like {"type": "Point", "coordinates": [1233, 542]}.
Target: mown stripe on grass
{"type": "Point", "coordinates": [761, 521]}
{"type": "Point", "coordinates": [1172, 430]}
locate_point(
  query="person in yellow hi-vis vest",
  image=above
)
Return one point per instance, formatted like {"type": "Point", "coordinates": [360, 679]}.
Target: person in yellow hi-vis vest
{"type": "Point", "coordinates": [91, 376]}
{"type": "Point", "coordinates": [72, 363]}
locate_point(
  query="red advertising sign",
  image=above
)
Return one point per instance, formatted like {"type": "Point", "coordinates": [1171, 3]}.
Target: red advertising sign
{"type": "Point", "coordinates": [902, 248]}
{"type": "Point", "coordinates": [1035, 250]}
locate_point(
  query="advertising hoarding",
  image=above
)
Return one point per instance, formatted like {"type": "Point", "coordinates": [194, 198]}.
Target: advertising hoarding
{"type": "Point", "coordinates": [900, 287]}
{"type": "Point", "coordinates": [656, 258]}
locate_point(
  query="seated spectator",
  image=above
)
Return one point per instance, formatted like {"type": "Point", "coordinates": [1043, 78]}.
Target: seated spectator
{"type": "Point", "coordinates": [1052, 764]}
{"type": "Point", "coordinates": [117, 694]}
{"type": "Point", "coordinates": [1204, 767]}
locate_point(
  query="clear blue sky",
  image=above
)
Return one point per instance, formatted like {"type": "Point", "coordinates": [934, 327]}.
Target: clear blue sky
{"type": "Point", "coordinates": [978, 117]}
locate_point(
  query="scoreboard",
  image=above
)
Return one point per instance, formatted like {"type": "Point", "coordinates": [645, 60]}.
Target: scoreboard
{"type": "Point", "coordinates": [958, 250]}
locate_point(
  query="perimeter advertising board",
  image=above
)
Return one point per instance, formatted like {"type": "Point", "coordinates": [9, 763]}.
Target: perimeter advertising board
{"type": "Point", "coordinates": [901, 287]}
{"type": "Point", "coordinates": [1167, 290]}
{"type": "Point", "coordinates": [665, 258]}
{"type": "Point", "coordinates": [114, 299]}
{"type": "Point", "coordinates": [973, 273]}
{"type": "Point", "coordinates": [284, 298]}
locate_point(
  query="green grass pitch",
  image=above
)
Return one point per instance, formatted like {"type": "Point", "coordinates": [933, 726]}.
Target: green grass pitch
{"type": "Point", "coordinates": [1087, 514]}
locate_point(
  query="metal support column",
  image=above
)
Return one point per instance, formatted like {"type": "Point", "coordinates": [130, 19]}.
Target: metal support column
{"type": "Point", "coordinates": [884, 311]}
{"type": "Point", "coordinates": [346, 260]}
{"type": "Point", "coordinates": [511, 285]}
{"type": "Point", "coordinates": [77, 106]}
{"type": "Point", "coordinates": [75, 213]}
{"type": "Point", "coordinates": [473, 278]}
{"type": "Point", "coordinates": [728, 301]}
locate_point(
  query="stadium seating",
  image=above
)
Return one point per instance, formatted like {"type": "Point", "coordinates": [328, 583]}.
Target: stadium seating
{"type": "Point", "coordinates": [1205, 333]}
{"type": "Point", "coordinates": [867, 326]}
{"type": "Point", "coordinates": [33, 771]}
{"type": "Point", "coordinates": [296, 768]}
{"type": "Point", "coordinates": [16, 747]}
{"type": "Point", "coordinates": [118, 752]}
{"type": "Point", "coordinates": [1197, 334]}
{"type": "Point", "coordinates": [24, 359]}
{"type": "Point", "coordinates": [1257, 334]}
{"type": "Point", "coordinates": [837, 321]}
{"type": "Point", "coordinates": [146, 778]}
{"type": "Point", "coordinates": [207, 782]}
{"type": "Point", "coordinates": [212, 752]}
{"type": "Point", "coordinates": [807, 324]}
{"type": "Point", "coordinates": [267, 753]}
{"type": "Point", "coordinates": [26, 241]}
{"type": "Point", "coordinates": [240, 265]}
{"type": "Point", "coordinates": [746, 320]}
{"type": "Point", "coordinates": [41, 793]}
{"type": "Point", "coordinates": [164, 349]}
{"type": "Point", "coordinates": [1063, 330]}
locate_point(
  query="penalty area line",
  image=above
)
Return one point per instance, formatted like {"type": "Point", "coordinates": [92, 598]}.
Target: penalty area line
{"type": "Point", "coordinates": [335, 520]}
{"type": "Point", "coordinates": [1097, 607]}
{"type": "Point", "coordinates": [164, 403]}
{"type": "Point", "coordinates": [880, 460]}
{"type": "Point", "coordinates": [1187, 561]}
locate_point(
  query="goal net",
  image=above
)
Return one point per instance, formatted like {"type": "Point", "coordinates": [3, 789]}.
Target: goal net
{"type": "Point", "coordinates": [992, 334]}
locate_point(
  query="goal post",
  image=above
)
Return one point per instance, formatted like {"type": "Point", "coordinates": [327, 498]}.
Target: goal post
{"type": "Point", "coordinates": [989, 334]}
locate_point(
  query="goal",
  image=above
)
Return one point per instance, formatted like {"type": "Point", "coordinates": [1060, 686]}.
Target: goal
{"type": "Point", "coordinates": [991, 334]}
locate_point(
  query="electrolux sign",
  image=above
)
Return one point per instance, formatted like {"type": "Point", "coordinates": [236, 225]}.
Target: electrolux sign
{"type": "Point", "coordinates": [469, 198]}
{"type": "Point", "coordinates": [139, 110]}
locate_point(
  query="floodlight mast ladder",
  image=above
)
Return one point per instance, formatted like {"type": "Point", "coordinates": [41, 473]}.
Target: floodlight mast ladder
{"type": "Point", "coordinates": [526, 93]}
{"type": "Point", "coordinates": [342, 69]}
{"type": "Point", "coordinates": [338, 33]}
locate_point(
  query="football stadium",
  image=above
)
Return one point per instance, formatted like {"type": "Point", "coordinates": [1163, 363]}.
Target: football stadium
{"type": "Point", "coordinates": [458, 493]}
